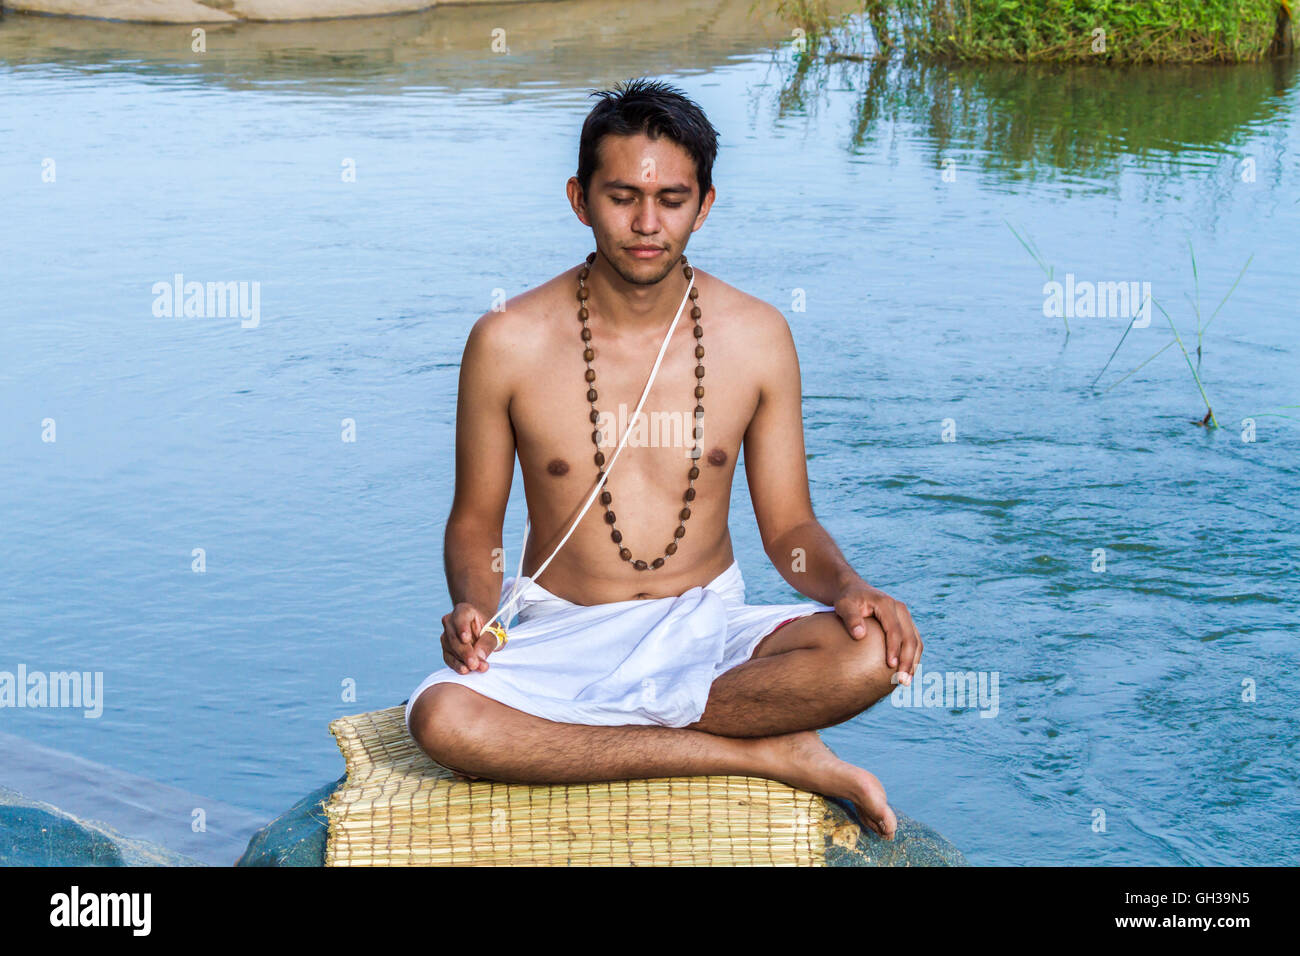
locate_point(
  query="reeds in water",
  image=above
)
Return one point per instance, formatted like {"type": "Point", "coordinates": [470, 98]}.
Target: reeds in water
{"type": "Point", "coordinates": [1049, 271]}
{"type": "Point", "coordinates": [1209, 420]}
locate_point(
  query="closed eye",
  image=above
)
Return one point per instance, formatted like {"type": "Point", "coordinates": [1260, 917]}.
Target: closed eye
{"type": "Point", "coordinates": [624, 202]}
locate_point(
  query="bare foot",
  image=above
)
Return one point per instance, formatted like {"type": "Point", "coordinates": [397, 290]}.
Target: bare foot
{"type": "Point", "coordinates": [805, 762]}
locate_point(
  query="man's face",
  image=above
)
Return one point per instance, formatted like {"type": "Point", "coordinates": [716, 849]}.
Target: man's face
{"type": "Point", "coordinates": [643, 196]}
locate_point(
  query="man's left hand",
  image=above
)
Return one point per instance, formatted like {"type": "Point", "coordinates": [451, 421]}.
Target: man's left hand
{"type": "Point", "coordinates": [859, 601]}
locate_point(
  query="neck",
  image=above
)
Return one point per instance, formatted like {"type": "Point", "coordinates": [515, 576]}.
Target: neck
{"type": "Point", "coordinates": [632, 307]}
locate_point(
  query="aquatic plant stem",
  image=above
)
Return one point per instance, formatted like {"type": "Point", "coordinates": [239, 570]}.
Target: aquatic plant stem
{"type": "Point", "coordinates": [1196, 302]}
{"type": "Point", "coordinates": [1179, 340]}
{"type": "Point", "coordinates": [1115, 351]}
{"type": "Point", "coordinates": [1276, 414]}
{"type": "Point", "coordinates": [1049, 272]}
{"type": "Point", "coordinates": [1167, 345]}
{"type": "Point", "coordinates": [1229, 293]}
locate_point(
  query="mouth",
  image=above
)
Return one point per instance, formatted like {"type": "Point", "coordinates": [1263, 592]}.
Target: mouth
{"type": "Point", "coordinates": [645, 252]}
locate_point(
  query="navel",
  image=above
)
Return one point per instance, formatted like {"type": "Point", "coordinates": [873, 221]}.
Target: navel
{"type": "Point", "coordinates": [642, 596]}
{"type": "Point", "coordinates": [558, 467]}
{"type": "Point", "coordinates": [717, 457]}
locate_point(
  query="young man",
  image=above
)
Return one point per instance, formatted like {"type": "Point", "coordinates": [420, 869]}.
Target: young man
{"type": "Point", "coordinates": [639, 657]}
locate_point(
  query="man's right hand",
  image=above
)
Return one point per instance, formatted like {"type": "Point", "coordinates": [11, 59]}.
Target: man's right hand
{"type": "Point", "coordinates": [461, 648]}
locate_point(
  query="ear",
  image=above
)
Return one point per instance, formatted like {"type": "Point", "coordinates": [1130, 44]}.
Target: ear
{"type": "Point", "coordinates": [573, 189]}
{"type": "Point", "coordinates": [705, 205]}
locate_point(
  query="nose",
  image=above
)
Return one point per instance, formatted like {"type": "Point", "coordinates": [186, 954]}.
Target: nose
{"type": "Point", "coordinates": [646, 220]}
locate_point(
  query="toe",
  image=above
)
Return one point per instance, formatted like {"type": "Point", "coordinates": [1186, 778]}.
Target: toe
{"type": "Point", "coordinates": [890, 824]}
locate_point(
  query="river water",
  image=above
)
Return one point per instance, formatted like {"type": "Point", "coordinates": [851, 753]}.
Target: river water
{"type": "Point", "coordinates": [1128, 576]}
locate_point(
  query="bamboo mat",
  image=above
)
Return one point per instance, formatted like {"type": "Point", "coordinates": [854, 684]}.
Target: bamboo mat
{"type": "Point", "coordinates": [399, 808]}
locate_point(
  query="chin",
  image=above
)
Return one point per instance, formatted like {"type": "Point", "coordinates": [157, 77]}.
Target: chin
{"type": "Point", "coordinates": [642, 272]}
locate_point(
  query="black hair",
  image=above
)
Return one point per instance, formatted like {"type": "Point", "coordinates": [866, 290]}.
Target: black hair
{"type": "Point", "coordinates": [656, 109]}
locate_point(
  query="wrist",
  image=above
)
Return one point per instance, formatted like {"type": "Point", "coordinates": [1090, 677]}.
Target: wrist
{"type": "Point", "coordinates": [847, 579]}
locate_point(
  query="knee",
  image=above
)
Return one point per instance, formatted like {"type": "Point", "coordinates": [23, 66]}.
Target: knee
{"type": "Point", "coordinates": [862, 661]}
{"type": "Point", "coordinates": [444, 721]}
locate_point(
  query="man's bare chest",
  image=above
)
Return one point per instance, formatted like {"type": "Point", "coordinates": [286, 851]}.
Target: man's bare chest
{"type": "Point", "coordinates": [568, 425]}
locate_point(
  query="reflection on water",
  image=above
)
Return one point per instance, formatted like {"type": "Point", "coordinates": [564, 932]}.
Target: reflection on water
{"type": "Point", "coordinates": [1121, 689]}
{"type": "Point", "coordinates": [547, 45]}
{"type": "Point", "coordinates": [1024, 122]}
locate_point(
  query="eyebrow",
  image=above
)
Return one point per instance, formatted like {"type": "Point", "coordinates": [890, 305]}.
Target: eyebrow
{"type": "Point", "coordinates": [620, 184]}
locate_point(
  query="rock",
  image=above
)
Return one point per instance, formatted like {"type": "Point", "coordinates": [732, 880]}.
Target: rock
{"type": "Point", "coordinates": [323, 9]}
{"type": "Point", "coordinates": [218, 11]}
{"type": "Point", "coordinates": [139, 11]}
{"type": "Point", "coordinates": [296, 837]}
{"type": "Point", "coordinates": [914, 843]}
{"type": "Point", "coordinates": [34, 833]}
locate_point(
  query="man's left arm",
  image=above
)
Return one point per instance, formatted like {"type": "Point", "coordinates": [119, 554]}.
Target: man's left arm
{"type": "Point", "coordinates": [795, 541]}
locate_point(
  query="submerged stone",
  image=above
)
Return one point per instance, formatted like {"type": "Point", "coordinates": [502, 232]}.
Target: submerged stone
{"type": "Point", "coordinates": [914, 843]}
{"type": "Point", "coordinates": [34, 833]}
{"type": "Point", "coordinates": [297, 836]}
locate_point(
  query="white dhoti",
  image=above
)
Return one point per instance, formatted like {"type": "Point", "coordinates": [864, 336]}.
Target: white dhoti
{"type": "Point", "coordinates": [627, 662]}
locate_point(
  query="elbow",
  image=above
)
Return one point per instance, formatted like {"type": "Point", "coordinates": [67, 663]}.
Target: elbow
{"type": "Point", "coordinates": [465, 528]}
{"type": "Point", "coordinates": [788, 536]}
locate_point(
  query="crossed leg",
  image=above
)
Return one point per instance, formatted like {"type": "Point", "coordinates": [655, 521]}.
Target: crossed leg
{"type": "Point", "coordinates": [759, 721]}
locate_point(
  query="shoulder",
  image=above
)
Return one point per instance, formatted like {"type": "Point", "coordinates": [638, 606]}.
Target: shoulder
{"type": "Point", "coordinates": [756, 327]}
{"type": "Point", "coordinates": [757, 338]}
{"type": "Point", "coordinates": [516, 327]}
{"type": "Point", "coordinates": [506, 343]}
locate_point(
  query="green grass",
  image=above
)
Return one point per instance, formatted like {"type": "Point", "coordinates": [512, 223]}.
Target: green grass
{"type": "Point", "coordinates": [1098, 31]}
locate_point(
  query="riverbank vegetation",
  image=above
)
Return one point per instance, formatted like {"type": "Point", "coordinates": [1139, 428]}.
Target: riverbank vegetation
{"type": "Point", "coordinates": [1101, 31]}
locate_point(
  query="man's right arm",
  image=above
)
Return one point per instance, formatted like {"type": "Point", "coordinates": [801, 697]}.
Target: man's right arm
{"type": "Point", "coordinates": [485, 464]}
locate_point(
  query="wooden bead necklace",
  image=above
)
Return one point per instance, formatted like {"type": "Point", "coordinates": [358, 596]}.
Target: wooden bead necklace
{"type": "Point", "coordinates": [605, 497]}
